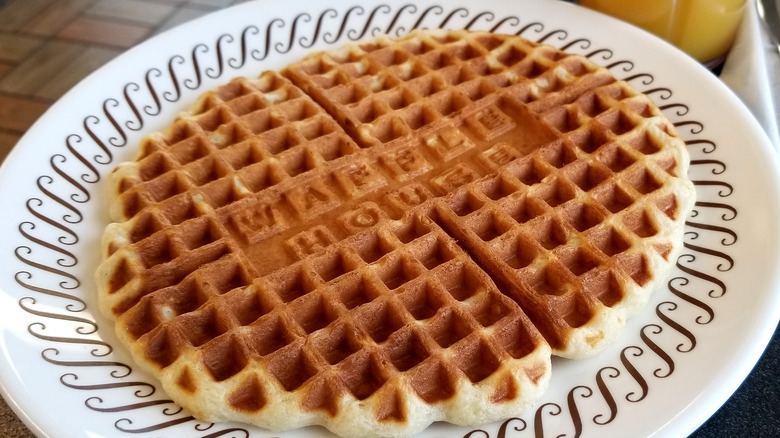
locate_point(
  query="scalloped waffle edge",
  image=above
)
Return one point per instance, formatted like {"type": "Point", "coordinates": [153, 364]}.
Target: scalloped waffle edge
{"type": "Point", "coordinates": [397, 232]}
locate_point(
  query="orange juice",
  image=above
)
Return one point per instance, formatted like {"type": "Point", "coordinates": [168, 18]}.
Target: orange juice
{"type": "Point", "coordinates": [704, 29]}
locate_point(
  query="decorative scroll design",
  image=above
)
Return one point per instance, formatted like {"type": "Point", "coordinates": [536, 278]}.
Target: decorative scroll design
{"type": "Point", "coordinates": [57, 210]}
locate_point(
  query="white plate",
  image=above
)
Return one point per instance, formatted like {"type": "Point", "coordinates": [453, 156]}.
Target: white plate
{"type": "Point", "coordinates": [678, 361]}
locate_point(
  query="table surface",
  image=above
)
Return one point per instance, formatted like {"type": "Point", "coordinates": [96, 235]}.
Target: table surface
{"type": "Point", "coordinates": [98, 30]}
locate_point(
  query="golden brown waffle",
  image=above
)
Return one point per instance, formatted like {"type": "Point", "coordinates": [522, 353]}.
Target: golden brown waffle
{"type": "Point", "coordinates": [356, 241]}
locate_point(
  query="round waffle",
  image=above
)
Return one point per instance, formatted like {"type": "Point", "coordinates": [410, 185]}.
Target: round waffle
{"type": "Point", "coordinates": [393, 233]}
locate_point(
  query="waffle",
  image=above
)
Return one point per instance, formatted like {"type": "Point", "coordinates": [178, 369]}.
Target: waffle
{"type": "Point", "coordinates": [394, 233]}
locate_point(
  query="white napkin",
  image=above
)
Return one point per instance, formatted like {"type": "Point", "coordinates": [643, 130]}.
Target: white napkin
{"type": "Point", "coordinates": [752, 71]}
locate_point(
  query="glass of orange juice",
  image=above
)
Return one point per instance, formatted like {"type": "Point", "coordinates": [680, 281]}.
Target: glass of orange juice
{"type": "Point", "coordinates": [705, 29]}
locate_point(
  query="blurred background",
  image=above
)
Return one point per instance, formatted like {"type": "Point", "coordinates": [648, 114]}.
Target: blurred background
{"type": "Point", "coordinates": [47, 46]}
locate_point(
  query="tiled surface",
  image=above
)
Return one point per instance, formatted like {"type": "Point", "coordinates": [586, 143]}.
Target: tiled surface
{"type": "Point", "coordinates": [86, 30]}
{"type": "Point", "coordinates": [47, 46]}
{"type": "Point", "coordinates": [136, 11]}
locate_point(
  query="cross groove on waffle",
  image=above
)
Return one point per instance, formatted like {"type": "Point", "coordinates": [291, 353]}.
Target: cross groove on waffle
{"type": "Point", "coordinates": [293, 237]}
